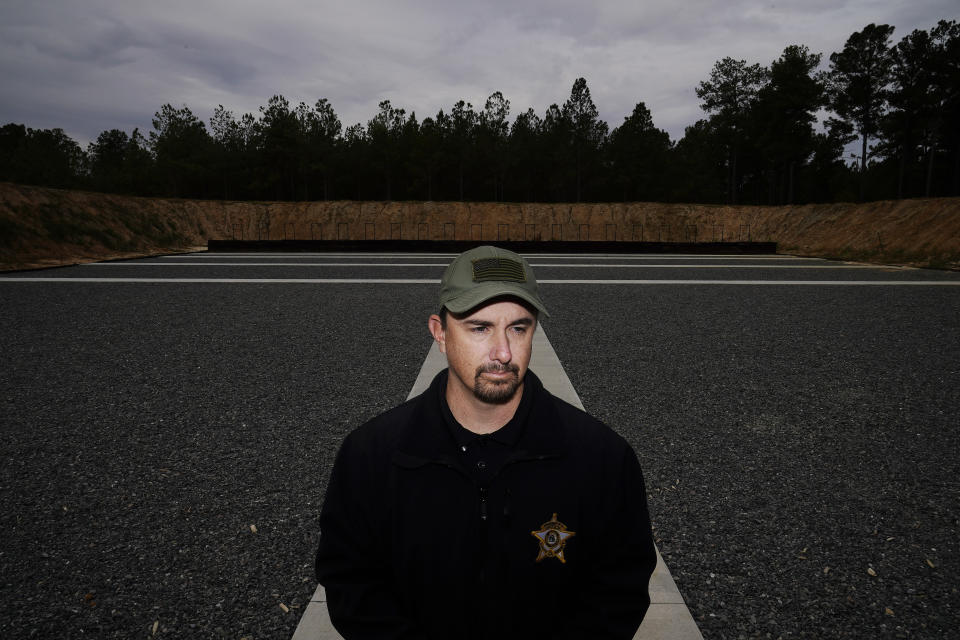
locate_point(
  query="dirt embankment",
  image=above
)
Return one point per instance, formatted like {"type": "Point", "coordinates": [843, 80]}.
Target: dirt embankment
{"type": "Point", "coordinates": [48, 227]}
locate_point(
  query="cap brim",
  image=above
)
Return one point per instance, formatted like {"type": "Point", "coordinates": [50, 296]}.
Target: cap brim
{"type": "Point", "coordinates": [488, 291]}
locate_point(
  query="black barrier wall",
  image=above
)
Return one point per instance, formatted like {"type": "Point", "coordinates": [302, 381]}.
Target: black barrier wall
{"type": "Point", "coordinates": [458, 246]}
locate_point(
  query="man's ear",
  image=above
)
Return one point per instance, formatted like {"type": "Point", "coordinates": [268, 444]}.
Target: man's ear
{"type": "Point", "coordinates": [437, 331]}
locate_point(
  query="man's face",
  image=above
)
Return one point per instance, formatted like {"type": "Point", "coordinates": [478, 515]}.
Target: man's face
{"type": "Point", "coordinates": [488, 349]}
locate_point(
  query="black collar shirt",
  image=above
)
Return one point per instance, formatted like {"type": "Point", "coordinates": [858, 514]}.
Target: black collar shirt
{"type": "Point", "coordinates": [483, 455]}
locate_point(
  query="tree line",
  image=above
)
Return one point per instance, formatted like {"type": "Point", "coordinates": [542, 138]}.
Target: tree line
{"type": "Point", "coordinates": [759, 142]}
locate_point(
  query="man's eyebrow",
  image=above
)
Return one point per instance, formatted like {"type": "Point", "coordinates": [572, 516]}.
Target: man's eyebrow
{"type": "Point", "coordinates": [525, 321]}
{"type": "Point", "coordinates": [478, 323]}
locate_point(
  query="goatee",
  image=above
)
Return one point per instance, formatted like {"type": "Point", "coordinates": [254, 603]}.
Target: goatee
{"type": "Point", "coordinates": [496, 391]}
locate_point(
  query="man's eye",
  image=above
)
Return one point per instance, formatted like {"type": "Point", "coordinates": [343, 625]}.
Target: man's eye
{"type": "Point", "coordinates": [479, 329]}
{"type": "Point", "coordinates": [520, 330]}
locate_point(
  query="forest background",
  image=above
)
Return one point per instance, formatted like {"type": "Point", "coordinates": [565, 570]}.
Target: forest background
{"type": "Point", "coordinates": [772, 135]}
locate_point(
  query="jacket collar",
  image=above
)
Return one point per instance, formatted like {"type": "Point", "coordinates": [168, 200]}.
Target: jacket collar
{"type": "Point", "coordinates": [508, 435]}
{"type": "Point", "coordinates": [426, 435]}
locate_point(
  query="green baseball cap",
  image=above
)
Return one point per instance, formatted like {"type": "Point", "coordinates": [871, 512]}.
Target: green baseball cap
{"type": "Point", "coordinates": [484, 273]}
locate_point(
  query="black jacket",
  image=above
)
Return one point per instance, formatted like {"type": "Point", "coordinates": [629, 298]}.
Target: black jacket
{"type": "Point", "coordinates": [412, 547]}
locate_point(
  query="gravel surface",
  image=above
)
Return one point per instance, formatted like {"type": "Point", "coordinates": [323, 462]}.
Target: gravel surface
{"type": "Point", "coordinates": [146, 428]}
{"type": "Point", "coordinates": [800, 446]}
{"type": "Point", "coordinates": [794, 439]}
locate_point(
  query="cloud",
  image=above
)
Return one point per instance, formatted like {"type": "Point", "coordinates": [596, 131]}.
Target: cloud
{"type": "Point", "coordinates": [105, 63]}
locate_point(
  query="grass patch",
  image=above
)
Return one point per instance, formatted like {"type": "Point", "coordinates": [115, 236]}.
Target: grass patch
{"type": "Point", "coordinates": [946, 262]}
{"type": "Point", "coordinates": [897, 256]}
{"type": "Point", "coordinates": [152, 229]}
{"type": "Point", "coordinates": [171, 240]}
{"type": "Point", "coordinates": [135, 230]}
{"type": "Point", "coordinates": [10, 231]}
{"type": "Point", "coordinates": [63, 228]}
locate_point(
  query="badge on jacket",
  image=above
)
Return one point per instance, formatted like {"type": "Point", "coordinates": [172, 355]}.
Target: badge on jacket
{"type": "Point", "coordinates": [553, 537]}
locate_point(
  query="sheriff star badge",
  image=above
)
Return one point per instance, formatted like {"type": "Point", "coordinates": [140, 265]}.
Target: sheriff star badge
{"type": "Point", "coordinates": [553, 536]}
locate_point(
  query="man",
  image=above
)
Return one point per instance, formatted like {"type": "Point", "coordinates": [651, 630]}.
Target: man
{"type": "Point", "coordinates": [486, 507]}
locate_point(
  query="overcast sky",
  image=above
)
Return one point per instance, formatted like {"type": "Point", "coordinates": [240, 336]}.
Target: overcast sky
{"type": "Point", "coordinates": [91, 65]}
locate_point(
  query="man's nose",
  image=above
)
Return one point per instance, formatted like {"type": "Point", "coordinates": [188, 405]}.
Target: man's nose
{"type": "Point", "coordinates": [501, 348]}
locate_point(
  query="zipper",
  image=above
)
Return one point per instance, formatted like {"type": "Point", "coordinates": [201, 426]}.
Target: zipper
{"type": "Point", "coordinates": [482, 532]}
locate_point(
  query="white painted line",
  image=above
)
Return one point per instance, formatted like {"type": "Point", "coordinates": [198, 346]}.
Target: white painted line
{"type": "Point", "coordinates": [571, 256]}
{"type": "Point", "coordinates": [710, 266]}
{"type": "Point", "coordinates": [265, 264]}
{"type": "Point", "coordinates": [668, 256]}
{"type": "Point", "coordinates": [571, 265]}
{"type": "Point", "coordinates": [306, 254]}
{"type": "Point", "coordinates": [840, 283]}
{"type": "Point", "coordinates": [232, 280]}
{"type": "Point", "coordinates": [851, 283]}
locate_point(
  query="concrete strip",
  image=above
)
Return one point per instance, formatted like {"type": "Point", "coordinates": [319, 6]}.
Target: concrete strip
{"type": "Point", "coordinates": [315, 623]}
{"type": "Point", "coordinates": [667, 618]}
{"type": "Point", "coordinates": [543, 361]}
{"type": "Point", "coordinates": [434, 363]}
